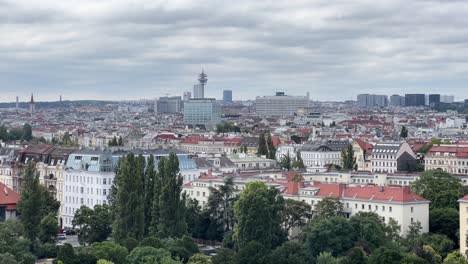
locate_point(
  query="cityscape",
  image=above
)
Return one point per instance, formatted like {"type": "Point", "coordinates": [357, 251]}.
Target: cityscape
{"type": "Point", "coordinates": [242, 166]}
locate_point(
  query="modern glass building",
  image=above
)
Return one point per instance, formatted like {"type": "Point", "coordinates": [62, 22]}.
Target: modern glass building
{"type": "Point", "coordinates": [202, 112]}
{"type": "Point", "coordinates": [227, 96]}
{"type": "Point", "coordinates": [280, 104]}
{"type": "Point", "coordinates": [415, 99]}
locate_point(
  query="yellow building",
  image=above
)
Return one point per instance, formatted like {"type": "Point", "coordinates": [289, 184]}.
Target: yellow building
{"type": "Point", "coordinates": [362, 153]}
{"type": "Point", "coordinates": [463, 223]}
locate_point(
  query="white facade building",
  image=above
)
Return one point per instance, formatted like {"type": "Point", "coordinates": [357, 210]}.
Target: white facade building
{"type": "Point", "coordinates": [280, 104]}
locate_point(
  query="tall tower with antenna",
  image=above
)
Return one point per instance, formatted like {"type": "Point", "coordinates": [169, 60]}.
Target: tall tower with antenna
{"type": "Point", "coordinates": [199, 89]}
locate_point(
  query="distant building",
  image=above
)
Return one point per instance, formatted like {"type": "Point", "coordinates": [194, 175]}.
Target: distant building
{"type": "Point", "coordinates": [227, 96]}
{"type": "Point", "coordinates": [187, 96]}
{"type": "Point", "coordinates": [447, 99]}
{"type": "Point", "coordinates": [199, 89]}
{"type": "Point", "coordinates": [449, 158]}
{"type": "Point", "coordinates": [391, 157]}
{"type": "Point", "coordinates": [202, 112]}
{"type": "Point", "coordinates": [280, 104]}
{"type": "Point", "coordinates": [397, 100]}
{"type": "Point", "coordinates": [32, 106]}
{"type": "Point", "coordinates": [415, 99]}
{"type": "Point", "coordinates": [466, 102]}
{"type": "Point", "coordinates": [317, 156]}
{"type": "Point", "coordinates": [434, 99]}
{"type": "Point", "coordinates": [370, 100]}
{"type": "Point", "coordinates": [169, 104]}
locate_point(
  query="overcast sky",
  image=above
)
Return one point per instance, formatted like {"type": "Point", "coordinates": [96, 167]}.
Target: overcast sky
{"type": "Point", "coordinates": [119, 50]}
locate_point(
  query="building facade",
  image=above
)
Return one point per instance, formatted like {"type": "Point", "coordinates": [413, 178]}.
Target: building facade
{"type": "Point", "coordinates": [205, 112]}
{"type": "Point", "coordinates": [372, 100]}
{"type": "Point", "coordinates": [392, 157]}
{"type": "Point", "coordinates": [280, 104]}
{"type": "Point", "coordinates": [171, 104]}
{"type": "Point", "coordinates": [397, 100]}
{"type": "Point", "coordinates": [449, 158]}
{"type": "Point", "coordinates": [317, 156]}
{"type": "Point", "coordinates": [227, 96]}
{"type": "Point", "coordinates": [415, 100]}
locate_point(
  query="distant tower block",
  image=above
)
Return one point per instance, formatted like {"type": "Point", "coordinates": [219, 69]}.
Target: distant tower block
{"type": "Point", "coordinates": [199, 89]}
{"type": "Point", "coordinates": [32, 106]}
{"type": "Point", "coordinates": [17, 103]}
{"type": "Point", "coordinates": [60, 98]}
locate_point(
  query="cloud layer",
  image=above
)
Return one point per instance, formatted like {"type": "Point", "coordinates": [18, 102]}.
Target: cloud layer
{"type": "Point", "coordinates": [144, 49]}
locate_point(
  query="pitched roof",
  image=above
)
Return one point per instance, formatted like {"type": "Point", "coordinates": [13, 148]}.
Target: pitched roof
{"type": "Point", "coordinates": [459, 151]}
{"type": "Point", "coordinates": [8, 197]}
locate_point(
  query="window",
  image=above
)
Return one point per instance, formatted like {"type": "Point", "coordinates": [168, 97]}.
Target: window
{"type": "Point", "coordinates": [390, 209]}
{"type": "Point", "coordinates": [383, 208]}
{"type": "Point", "coordinates": [81, 190]}
{"type": "Point", "coordinates": [78, 157]}
{"type": "Point", "coordinates": [412, 209]}
{"type": "Point", "coordinates": [347, 205]}
{"type": "Point", "coordinates": [81, 200]}
{"type": "Point", "coordinates": [355, 206]}
{"type": "Point", "coordinates": [203, 194]}
{"type": "Point", "coordinates": [104, 181]}
{"type": "Point", "coordinates": [370, 207]}
{"type": "Point", "coordinates": [94, 158]}
{"type": "Point", "coordinates": [362, 206]}
{"type": "Point", "coordinates": [104, 191]}
{"type": "Point", "coordinates": [412, 220]}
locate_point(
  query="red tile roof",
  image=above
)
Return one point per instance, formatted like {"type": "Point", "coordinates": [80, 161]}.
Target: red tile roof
{"type": "Point", "coordinates": [8, 197]}
{"type": "Point", "coordinates": [460, 152]}
{"type": "Point", "coordinates": [366, 146]}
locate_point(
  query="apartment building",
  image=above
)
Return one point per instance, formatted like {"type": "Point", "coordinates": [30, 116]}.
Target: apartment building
{"type": "Point", "coordinates": [449, 158]}
{"type": "Point", "coordinates": [317, 155]}
{"type": "Point", "coordinates": [396, 202]}
{"type": "Point", "coordinates": [392, 157]}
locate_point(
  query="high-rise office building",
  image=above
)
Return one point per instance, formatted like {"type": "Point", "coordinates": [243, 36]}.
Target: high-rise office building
{"type": "Point", "coordinates": [280, 104]}
{"type": "Point", "coordinates": [466, 102]}
{"type": "Point", "coordinates": [187, 96]}
{"type": "Point", "coordinates": [205, 112]}
{"type": "Point", "coordinates": [447, 99]}
{"type": "Point", "coordinates": [397, 100]}
{"type": "Point", "coordinates": [227, 96]}
{"type": "Point", "coordinates": [434, 99]}
{"type": "Point", "coordinates": [415, 100]}
{"type": "Point", "coordinates": [370, 100]}
{"type": "Point", "coordinates": [199, 89]}
{"type": "Point", "coordinates": [171, 104]}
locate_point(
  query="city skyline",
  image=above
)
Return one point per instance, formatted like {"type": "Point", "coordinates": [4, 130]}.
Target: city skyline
{"type": "Point", "coordinates": [109, 50]}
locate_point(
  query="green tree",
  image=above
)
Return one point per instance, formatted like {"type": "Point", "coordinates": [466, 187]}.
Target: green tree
{"type": "Point", "coordinates": [262, 147]}
{"type": "Point", "coordinates": [129, 204]}
{"type": "Point", "coordinates": [120, 142]}
{"type": "Point", "coordinates": [27, 132]}
{"type": "Point", "coordinates": [150, 179]}
{"type": "Point", "coordinates": [404, 132]}
{"type": "Point", "coordinates": [95, 225]}
{"type": "Point", "coordinates": [224, 256]}
{"type": "Point", "coordinates": [199, 259]}
{"type": "Point", "coordinates": [444, 221]}
{"type": "Point", "coordinates": [258, 212]}
{"type": "Point", "coordinates": [286, 162]}
{"type": "Point", "coordinates": [440, 243]}
{"type": "Point", "coordinates": [328, 207]}
{"type": "Point", "coordinates": [48, 228]}
{"type": "Point", "coordinates": [221, 204]}
{"type": "Point", "coordinates": [439, 187]}
{"type": "Point", "coordinates": [147, 255]}
{"type": "Point", "coordinates": [295, 214]}
{"type": "Point", "coordinates": [253, 252]}
{"type": "Point", "coordinates": [334, 235]}
{"type": "Point", "coordinates": [384, 255]}
{"type": "Point", "coordinates": [289, 253]}
{"type": "Point", "coordinates": [7, 258]}
{"type": "Point", "coordinates": [327, 258]}
{"type": "Point", "coordinates": [109, 251]}
{"type": "Point", "coordinates": [271, 148]}
{"type": "Point", "coordinates": [298, 163]}
{"type": "Point", "coordinates": [103, 261]}
{"type": "Point", "coordinates": [356, 256]}
{"type": "Point", "coordinates": [182, 248]}
{"type": "Point", "coordinates": [12, 242]}
{"type": "Point", "coordinates": [369, 229]}
{"type": "Point", "coordinates": [67, 255]}
{"type": "Point", "coordinates": [171, 207]}
{"type": "Point", "coordinates": [347, 157]}
{"type": "Point", "coordinates": [31, 200]}
{"type": "Point", "coordinates": [455, 257]}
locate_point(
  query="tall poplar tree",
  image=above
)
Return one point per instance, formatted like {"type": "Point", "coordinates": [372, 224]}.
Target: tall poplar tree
{"type": "Point", "coordinates": [156, 195]}
{"type": "Point", "coordinates": [129, 216]}
{"type": "Point", "coordinates": [171, 214]}
{"type": "Point", "coordinates": [262, 148]}
{"type": "Point", "coordinates": [271, 148]}
{"type": "Point", "coordinates": [150, 175]}
{"type": "Point", "coordinates": [347, 156]}
{"type": "Point", "coordinates": [31, 200]}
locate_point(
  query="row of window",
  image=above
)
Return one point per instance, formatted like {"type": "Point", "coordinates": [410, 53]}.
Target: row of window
{"type": "Point", "coordinates": [87, 179]}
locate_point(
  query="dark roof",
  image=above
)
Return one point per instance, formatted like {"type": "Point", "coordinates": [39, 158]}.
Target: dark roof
{"type": "Point", "coordinates": [335, 145]}
{"type": "Point", "coordinates": [387, 147]}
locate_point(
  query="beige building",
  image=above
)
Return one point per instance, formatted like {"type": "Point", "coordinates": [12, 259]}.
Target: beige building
{"type": "Point", "coordinates": [463, 224]}
{"type": "Point", "coordinates": [396, 202]}
{"type": "Point", "coordinates": [362, 152]}
{"type": "Point", "coordinates": [449, 158]}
